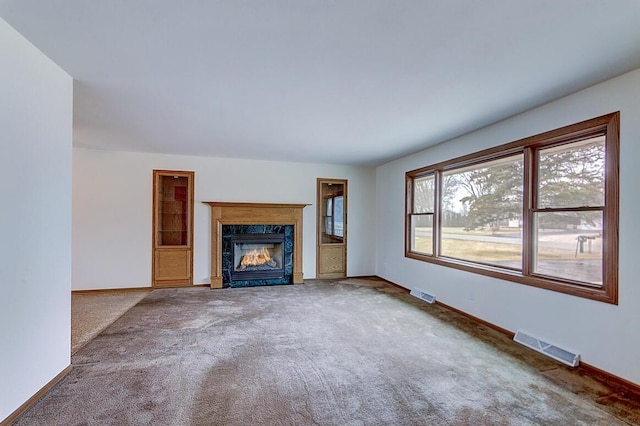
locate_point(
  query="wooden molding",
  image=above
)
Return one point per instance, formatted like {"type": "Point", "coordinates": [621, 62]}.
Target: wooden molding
{"type": "Point", "coordinates": [488, 324]}
{"type": "Point", "coordinates": [127, 289]}
{"type": "Point", "coordinates": [31, 401]}
{"type": "Point", "coordinates": [226, 204]}
{"type": "Point", "coordinates": [608, 377]}
{"type": "Point", "coordinates": [111, 290]}
{"type": "Point", "coordinates": [230, 213]}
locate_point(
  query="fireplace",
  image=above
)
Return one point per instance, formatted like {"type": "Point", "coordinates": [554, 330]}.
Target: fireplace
{"type": "Point", "coordinates": [257, 256]}
{"type": "Point", "coordinates": [230, 220]}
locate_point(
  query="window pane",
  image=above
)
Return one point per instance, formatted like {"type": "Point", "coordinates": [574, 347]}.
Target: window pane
{"type": "Point", "coordinates": [482, 212]}
{"type": "Point", "coordinates": [422, 233]}
{"type": "Point", "coordinates": [569, 245]}
{"type": "Point", "coordinates": [423, 194]}
{"type": "Point", "coordinates": [499, 247]}
{"type": "Point", "coordinates": [338, 224]}
{"type": "Point", "coordinates": [572, 175]}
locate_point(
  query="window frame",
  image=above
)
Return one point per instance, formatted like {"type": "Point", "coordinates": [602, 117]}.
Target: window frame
{"type": "Point", "coordinates": [607, 125]}
{"type": "Point", "coordinates": [431, 213]}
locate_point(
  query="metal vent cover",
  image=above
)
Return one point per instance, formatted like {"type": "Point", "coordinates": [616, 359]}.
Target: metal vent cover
{"type": "Point", "coordinates": [552, 351]}
{"type": "Point", "coordinates": [429, 298]}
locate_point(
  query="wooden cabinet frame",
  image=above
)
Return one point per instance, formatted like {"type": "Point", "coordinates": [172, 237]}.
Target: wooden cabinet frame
{"type": "Point", "coordinates": [331, 247]}
{"type": "Point", "coordinates": [172, 223]}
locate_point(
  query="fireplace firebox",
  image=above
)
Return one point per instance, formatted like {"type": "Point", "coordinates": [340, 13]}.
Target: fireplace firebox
{"type": "Point", "coordinates": [257, 256]}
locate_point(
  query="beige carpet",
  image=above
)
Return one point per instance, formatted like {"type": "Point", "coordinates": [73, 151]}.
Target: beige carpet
{"type": "Point", "coordinates": [92, 312]}
{"type": "Point", "coordinates": [356, 352]}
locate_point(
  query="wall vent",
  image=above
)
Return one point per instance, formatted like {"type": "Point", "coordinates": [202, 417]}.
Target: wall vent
{"type": "Point", "coordinates": [548, 349]}
{"type": "Point", "coordinates": [429, 298]}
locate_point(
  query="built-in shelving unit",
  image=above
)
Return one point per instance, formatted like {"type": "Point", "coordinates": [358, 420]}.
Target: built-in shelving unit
{"type": "Point", "coordinates": [172, 228]}
{"type": "Point", "coordinates": [331, 250]}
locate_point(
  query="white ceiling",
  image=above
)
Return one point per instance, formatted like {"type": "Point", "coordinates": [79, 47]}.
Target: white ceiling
{"type": "Point", "coordinates": [331, 81]}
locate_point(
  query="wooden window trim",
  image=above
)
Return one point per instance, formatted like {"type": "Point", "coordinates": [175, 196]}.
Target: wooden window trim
{"type": "Point", "coordinates": [609, 125]}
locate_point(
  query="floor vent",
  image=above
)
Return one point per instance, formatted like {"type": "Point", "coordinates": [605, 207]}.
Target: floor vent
{"type": "Point", "coordinates": [548, 349]}
{"type": "Point", "coordinates": [429, 298]}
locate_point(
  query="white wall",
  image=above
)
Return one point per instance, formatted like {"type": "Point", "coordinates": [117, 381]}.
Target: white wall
{"type": "Point", "coordinates": [36, 99]}
{"type": "Point", "coordinates": [112, 210]}
{"type": "Point", "coordinates": [606, 335]}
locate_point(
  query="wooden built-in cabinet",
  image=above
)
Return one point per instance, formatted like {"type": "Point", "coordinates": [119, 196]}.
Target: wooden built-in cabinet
{"type": "Point", "coordinates": [331, 228]}
{"type": "Point", "coordinates": [172, 261]}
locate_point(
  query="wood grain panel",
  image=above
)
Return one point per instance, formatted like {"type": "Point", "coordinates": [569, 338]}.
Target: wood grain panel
{"type": "Point", "coordinates": [172, 264]}
{"type": "Point", "coordinates": [331, 260]}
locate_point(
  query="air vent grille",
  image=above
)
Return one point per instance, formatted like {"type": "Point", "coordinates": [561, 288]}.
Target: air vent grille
{"type": "Point", "coordinates": [429, 298]}
{"type": "Point", "coordinates": [555, 352]}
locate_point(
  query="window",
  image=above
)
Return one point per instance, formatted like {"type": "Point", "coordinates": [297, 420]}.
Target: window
{"type": "Point", "coordinates": [479, 202]}
{"type": "Point", "coordinates": [541, 211]}
{"type": "Point", "coordinates": [422, 217]}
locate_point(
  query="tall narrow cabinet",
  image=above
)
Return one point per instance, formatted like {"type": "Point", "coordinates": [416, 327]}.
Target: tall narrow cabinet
{"type": "Point", "coordinates": [172, 261]}
{"type": "Point", "coordinates": [331, 222]}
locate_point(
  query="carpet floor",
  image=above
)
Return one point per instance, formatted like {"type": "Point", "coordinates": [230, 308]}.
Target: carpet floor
{"type": "Point", "coordinates": [350, 352]}
{"type": "Point", "coordinates": [92, 312]}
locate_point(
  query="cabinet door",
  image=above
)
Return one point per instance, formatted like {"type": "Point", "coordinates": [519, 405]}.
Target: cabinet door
{"type": "Point", "coordinates": [172, 228]}
{"type": "Point", "coordinates": [172, 265]}
{"type": "Point", "coordinates": [332, 228]}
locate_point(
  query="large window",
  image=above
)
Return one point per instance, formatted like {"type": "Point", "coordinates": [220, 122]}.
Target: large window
{"type": "Point", "coordinates": [541, 211]}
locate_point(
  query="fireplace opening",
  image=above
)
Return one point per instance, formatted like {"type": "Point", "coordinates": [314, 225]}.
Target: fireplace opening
{"type": "Point", "coordinates": [257, 256]}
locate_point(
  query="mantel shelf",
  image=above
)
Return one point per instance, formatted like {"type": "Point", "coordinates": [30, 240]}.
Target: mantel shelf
{"type": "Point", "coordinates": [257, 205]}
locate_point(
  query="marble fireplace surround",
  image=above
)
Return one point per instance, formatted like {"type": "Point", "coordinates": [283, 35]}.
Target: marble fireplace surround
{"type": "Point", "coordinates": [229, 213]}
